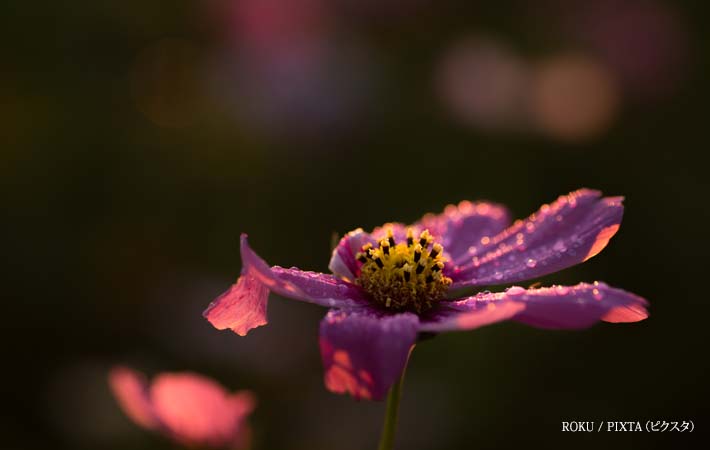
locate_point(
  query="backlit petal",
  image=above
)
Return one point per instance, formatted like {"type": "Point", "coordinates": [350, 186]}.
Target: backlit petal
{"type": "Point", "coordinates": [567, 232]}
{"type": "Point", "coordinates": [557, 307]}
{"type": "Point", "coordinates": [243, 306]}
{"type": "Point", "coordinates": [364, 353]}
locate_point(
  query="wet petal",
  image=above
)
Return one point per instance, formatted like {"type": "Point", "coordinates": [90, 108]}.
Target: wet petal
{"type": "Point", "coordinates": [131, 391]}
{"type": "Point", "coordinates": [364, 353]}
{"type": "Point", "coordinates": [462, 226]}
{"type": "Point", "coordinates": [197, 411]}
{"type": "Point", "coordinates": [567, 232]}
{"type": "Point", "coordinates": [557, 307]}
{"type": "Point", "coordinates": [243, 306]}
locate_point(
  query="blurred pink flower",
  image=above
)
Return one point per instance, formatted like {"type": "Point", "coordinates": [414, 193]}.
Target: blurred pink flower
{"type": "Point", "coordinates": [573, 97]}
{"type": "Point", "coordinates": [186, 407]}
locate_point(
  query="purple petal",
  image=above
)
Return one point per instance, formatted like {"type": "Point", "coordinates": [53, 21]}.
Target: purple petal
{"type": "Point", "coordinates": [460, 227]}
{"type": "Point", "coordinates": [557, 307]}
{"type": "Point", "coordinates": [569, 231]}
{"type": "Point", "coordinates": [243, 306]}
{"type": "Point", "coordinates": [469, 313]}
{"type": "Point", "coordinates": [343, 263]}
{"type": "Point", "coordinates": [364, 352]}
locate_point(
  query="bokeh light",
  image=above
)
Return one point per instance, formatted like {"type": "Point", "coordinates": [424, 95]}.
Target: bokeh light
{"type": "Point", "coordinates": [573, 97]}
{"type": "Point", "coordinates": [483, 83]}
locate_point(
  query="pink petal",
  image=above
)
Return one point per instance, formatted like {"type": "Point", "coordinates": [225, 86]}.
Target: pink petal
{"type": "Point", "coordinates": [131, 391]}
{"type": "Point", "coordinates": [470, 314]}
{"type": "Point", "coordinates": [243, 306]}
{"type": "Point", "coordinates": [342, 262]}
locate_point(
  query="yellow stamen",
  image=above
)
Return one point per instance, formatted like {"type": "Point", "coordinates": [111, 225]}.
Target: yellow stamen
{"type": "Point", "coordinates": [405, 275]}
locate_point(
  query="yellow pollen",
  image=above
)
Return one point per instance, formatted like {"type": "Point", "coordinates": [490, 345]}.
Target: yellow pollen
{"type": "Point", "coordinates": [406, 275]}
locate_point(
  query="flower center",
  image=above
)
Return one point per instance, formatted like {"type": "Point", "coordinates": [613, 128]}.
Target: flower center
{"type": "Point", "coordinates": [405, 275]}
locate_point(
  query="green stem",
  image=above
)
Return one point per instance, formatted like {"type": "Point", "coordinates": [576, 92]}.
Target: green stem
{"type": "Point", "coordinates": [390, 426]}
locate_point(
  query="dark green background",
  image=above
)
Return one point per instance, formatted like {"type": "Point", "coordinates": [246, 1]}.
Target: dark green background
{"type": "Point", "coordinates": [118, 232]}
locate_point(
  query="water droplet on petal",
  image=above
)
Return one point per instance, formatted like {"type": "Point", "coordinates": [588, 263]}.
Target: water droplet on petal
{"type": "Point", "coordinates": [597, 294]}
{"type": "Point", "coordinates": [561, 290]}
{"type": "Point", "coordinates": [531, 263]}
{"type": "Point", "coordinates": [559, 246]}
{"type": "Point", "coordinates": [515, 291]}
{"type": "Point", "coordinates": [498, 275]}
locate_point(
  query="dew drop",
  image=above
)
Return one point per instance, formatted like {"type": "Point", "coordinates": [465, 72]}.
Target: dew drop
{"type": "Point", "coordinates": [561, 290]}
{"type": "Point", "coordinates": [515, 291]}
{"type": "Point", "coordinates": [498, 275]}
{"type": "Point", "coordinates": [559, 246]}
{"type": "Point", "coordinates": [531, 263]}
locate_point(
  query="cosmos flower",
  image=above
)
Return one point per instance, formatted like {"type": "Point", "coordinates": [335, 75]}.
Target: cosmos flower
{"type": "Point", "coordinates": [389, 286]}
{"type": "Point", "coordinates": [188, 408]}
